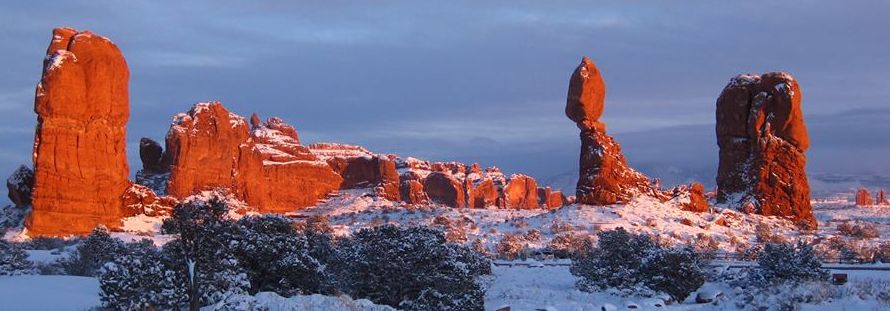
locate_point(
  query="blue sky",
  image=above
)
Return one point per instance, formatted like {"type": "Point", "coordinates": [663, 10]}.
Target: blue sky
{"type": "Point", "coordinates": [477, 82]}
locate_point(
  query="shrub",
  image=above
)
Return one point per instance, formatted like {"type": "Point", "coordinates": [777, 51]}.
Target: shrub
{"type": "Point", "coordinates": [635, 262]}
{"type": "Point", "coordinates": [511, 246]}
{"type": "Point", "coordinates": [567, 245]}
{"type": "Point", "coordinates": [14, 260]}
{"type": "Point", "coordinates": [858, 230]}
{"type": "Point", "coordinates": [93, 252]}
{"type": "Point", "coordinates": [785, 262]}
{"type": "Point", "coordinates": [409, 268]}
{"type": "Point", "coordinates": [674, 271]}
{"type": "Point", "coordinates": [275, 256]}
{"type": "Point", "coordinates": [141, 278]}
{"type": "Point", "coordinates": [614, 262]}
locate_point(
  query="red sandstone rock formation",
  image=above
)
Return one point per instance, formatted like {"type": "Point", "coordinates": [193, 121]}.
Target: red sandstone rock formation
{"type": "Point", "coordinates": [549, 198]}
{"type": "Point", "coordinates": [443, 188]}
{"type": "Point", "coordinates": [80, 161]}
{"type": "Point", "coordinates": [763, 140]}
{"type": "Point", "coordinates": [521, 192]}
{"type": "Point", "coordinates": [139, 199]}
{"type": "Point", "coordinates": [880, 198]}
{"type": "Point", "coordinates": [863, 198]}
{"type": "Point", "coordinates": [19, 186]}
{"type": "Point", "coordinates": [604, 177]}
{"type": "Point", "coordinates": [360, 168]}
{"type": "Point", "coordinates": [263, 164]}
{"type": "Point", "coordinates": [691, 198]}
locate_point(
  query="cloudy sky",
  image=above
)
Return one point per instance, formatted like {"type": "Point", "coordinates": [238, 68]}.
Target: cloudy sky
{"type": "Point", "coordinates": [478, 82]}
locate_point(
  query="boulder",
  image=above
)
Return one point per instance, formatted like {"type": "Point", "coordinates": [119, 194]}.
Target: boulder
{"type": "Point", "coordinates": [151, 153]}
{"type": "Point", "coordinates": [549, 198]}
{"type": "Point", "coordinates": [412, 192]}
{"type": "Point", "coordinates": [80, 158]}
{"type": "Point", "coordinates": [691, 198]}
{"type": "Point", "coordinates": [139, 199]}
{"type": "Point", "coordinates": [763, 141]}
{"type": "Point", "coordinates": [521, 192]}
{"type": "Point", "coordinates": [444, 189]}
{"type": "Point", "coordinates": [604, 177]}
{"type": "Point", "coordinates": [482, 193]}
{"type": "Point", "coordinates": [19, 186]}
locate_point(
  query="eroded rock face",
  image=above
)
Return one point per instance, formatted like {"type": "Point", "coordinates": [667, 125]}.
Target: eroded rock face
{"type": "Point", "coordinates": [604, 177]}
{"type": "Point", "coordinates": [521, 192]}
{"type": "Point", "coordinates": [442, 188]}
{"type": "Point", "coordinates": [19, 186]}
{"type": "Point", "coordinates": [80, 161]}
{"type": "Point", "coordinates": [262, 164]}
{"type": "Point", "coordinates": [549, 198]}
{"type": "Point", "coordinates": [763, 141]}
{"type": "Point", "coordinates": [361, 169]}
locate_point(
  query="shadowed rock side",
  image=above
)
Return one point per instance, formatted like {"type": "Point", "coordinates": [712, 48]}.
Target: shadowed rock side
{"type": "Point", "coordinates": [763, 140]}
{"type": "Point", "coordinates": [19, 186]}
{"type": "Point", "coordinates": [604, 177]}
{"type": "Point", "coordinates": [80, 159]}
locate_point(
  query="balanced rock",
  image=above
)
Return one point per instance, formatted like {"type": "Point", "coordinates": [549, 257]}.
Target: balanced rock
{"type": "Point", "coordinates": [604, 175]}
{"type": "Point", "coordinates": [80, 158]}
{"type": "Point", "coordinates": [763, 141]}
{"type": "Point", "coordinates": [19, 186]}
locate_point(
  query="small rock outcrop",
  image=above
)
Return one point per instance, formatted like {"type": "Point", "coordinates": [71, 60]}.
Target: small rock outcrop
{"type": "Point", "coordinates": [80, 158]}
{"type": "Point", "coordinates": [549, 198]}
{"type": "Point", "coordinates": [151, 153]}
{"type": "Point", "coordinates": [19, 186]}
{"type": "Point", "coordinates": [521, 192]}
{"type": "Point", "coordinates": [691, 198]}
{"type": "Point", "coordinates": [605, 177]}
{"type": "Point", "coordinates": [863, 197]}
{"type": "Point", "coordinates": [763, 142]}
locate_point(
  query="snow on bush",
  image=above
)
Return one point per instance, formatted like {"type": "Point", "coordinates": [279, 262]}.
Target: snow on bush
{"type": "Point", "coordinates": [409, 268]}
{"type": "Point", "coordinates": [637, 264]}
{"type": "Point", "coordinates": [788, 263]}
{"type": "Point", "coordinates": [268, 301]}
{"type": "Point", "coordinates": [860, 230]}
{"type": "Point", "coordinates": [141, 278]}
{"type": "Point", "coordinates": [93, 252]}
{"type": "Point", "coordinates": [14, 260]}
{"type": "Point", "coordinates": [276, 256]}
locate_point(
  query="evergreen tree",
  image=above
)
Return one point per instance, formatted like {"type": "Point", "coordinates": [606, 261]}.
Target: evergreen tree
{"type": "Point", "coordinates": [409, 268]}
{"type": "Point", "coordinates": [93, 252]}
{"type": "Point", "coordinates": [201, 252]}
{"type": "Point", "coordinates": [615, 261]}
{"type": "Point", "coordinates": [674, 271]}
{"type": "Point", "coordinates": [784, 262]}
{"type": "Point", "coordinates": [276, 256]}
{"type": "Point", "coordinates": [14, 260]}
{"type": "Point", "coordinates": [141, 279]}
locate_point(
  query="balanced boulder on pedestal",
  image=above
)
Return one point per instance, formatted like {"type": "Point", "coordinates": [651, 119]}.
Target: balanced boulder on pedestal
{"type": "Point", "coordinates": [604, 175]}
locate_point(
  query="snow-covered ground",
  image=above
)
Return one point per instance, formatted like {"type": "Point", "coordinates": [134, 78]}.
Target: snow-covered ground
{"type": "Point", "coordinates": [531, 286]}
{"type": "Point", "coordinates": [48, 292]}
